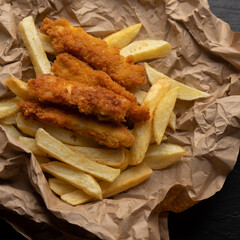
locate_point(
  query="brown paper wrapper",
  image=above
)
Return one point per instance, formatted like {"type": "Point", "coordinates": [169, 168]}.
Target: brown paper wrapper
{"type": "Point", "coordinates": [205, 55]}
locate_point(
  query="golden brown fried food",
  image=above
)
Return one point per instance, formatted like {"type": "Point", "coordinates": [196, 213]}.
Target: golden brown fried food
{"type": "Point", "coordinates": [73, 69]}
{"type": "Point", "coordinates": [90, 100]}
{"type": "Point", "coordinates": [94, 51]}
{"type": "Point", "coordinates": [109, 134]}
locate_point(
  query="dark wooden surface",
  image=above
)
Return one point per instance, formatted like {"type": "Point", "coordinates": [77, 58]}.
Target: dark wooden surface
{"type": "Point", "coordinates": [217, 218]}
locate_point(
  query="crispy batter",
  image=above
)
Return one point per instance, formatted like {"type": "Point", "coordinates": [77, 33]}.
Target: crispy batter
{"type": "Point", "coordinates": [94, 51]}
{"type": "Point", "coordinates": [73, 69]}
{"type": "Point", "coordinates": [108, 134]}
{"type": "Point", "coordinates": [90, 100]}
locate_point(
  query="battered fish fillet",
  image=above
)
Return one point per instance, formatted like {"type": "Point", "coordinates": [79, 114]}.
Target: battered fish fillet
{"type": "Point", "coordinates": [108, 134]}
{"type": "Point", "coordinates": [94, 51]}
{"type": "Point", "coordinates": [73, 69]}
{"type": "Point", "coordinates": [90, 100]}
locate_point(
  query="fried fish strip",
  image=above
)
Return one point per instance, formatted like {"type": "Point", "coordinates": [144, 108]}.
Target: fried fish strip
{"type": "Point", "coordinates": [109, 134]}
{"type": "Point", "coordinates": [90, 100]}
{"type": "Point", "coordinates": [73, 69]}
{"type": "Point", "coordinates": [94, 51]}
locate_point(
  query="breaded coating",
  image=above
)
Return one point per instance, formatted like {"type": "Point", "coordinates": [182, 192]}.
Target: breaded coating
{"type": "Point", "coordinates": [72, 69]}
{"type": "Point", "coordinates": [95, 51]}
{"type": "Point", "coordinates": [90, 100]}
{"type": "Point", "coordinates": [112, 135]}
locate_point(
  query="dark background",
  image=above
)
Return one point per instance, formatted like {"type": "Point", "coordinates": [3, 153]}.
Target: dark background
{"type": "Point", "coordinates": [217, 218]}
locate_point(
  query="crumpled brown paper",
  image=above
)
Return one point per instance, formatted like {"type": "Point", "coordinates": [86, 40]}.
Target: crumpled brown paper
{"type": "Point", "coordinates": [205, 55]}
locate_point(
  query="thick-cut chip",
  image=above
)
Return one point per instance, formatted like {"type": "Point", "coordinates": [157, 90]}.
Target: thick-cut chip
{"type": "Point", "coordinates": [18, 87]}
{"type": "Point", "coordinates": [58, 150]}
{"type": "Point", "coordinates": [9, 120]}
{"type": "Point", "coordinates": [126, 160]}
{"type": "Point", "coordinates": [139, 94]}
{"type": "Point", "coordinates": [143, 131]}
{"type": "Point", "coordinates": [127, 179]}
{"type": "Point", "coordinates": [11, 130]}
{"type": "Point", "coordinates": [30, 127]}
{"type": "Point", "coordinates": [9, 107]}
{"type": "Point", "coordinates": [143, 50]}
{"type": "Point", "coordinates": [163, 155]}
{"type": "Point", "coordinates": [60, 187]}
{"type": "Point", "coordinates": [42, 159]}
{"type": "Point", "coordinates": [46, 43]}
{"type": "Point", "coordinates": [123, 37]}
{"type": "Point", "coordinates": [154, 141]}
{"type": "Point", "coordinates": [162, 114]}
{"type": "Point", "coordinates": [74, 177]}
{"type": "Point", "coordinates": [31, 144]}
{"type": "Point", "coordinates": [109, 157]}
{"type": "Point", "coordinates": [172, 121]}
{"type": "Point", "coordinates": [76, 197]}
{"type": "Point", "coordinates": [34, 47]}
{"type": "Point", "coordinates": [184, 93]}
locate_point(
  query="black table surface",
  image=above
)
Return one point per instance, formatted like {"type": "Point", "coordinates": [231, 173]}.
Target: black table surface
{"type": "Point", "coordinates": [217, 218]}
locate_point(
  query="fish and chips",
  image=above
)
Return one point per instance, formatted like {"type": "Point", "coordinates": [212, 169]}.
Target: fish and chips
{"type": "Point", "coordinates": [84, 116]}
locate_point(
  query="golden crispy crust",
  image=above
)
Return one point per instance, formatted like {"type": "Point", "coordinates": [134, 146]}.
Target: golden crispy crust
{"type": "Point", "coordinates": [73, 69]}
{"type": "Point", "coordinates": [94, 51]}
{"type": "Point", "coordinates": [108, 134]}
{"type": "Point", "coordinates": [90, 100]}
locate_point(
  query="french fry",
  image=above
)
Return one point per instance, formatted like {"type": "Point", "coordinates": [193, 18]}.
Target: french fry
{"type": "Point", "coordinates": [109, 157]}
{"type": "Point", "coordinates": [9, 120]}
{"type": "Point", "coordinates": [154, 141]}
{"type": "Point", "coordinates": [126, 160]}
{"type": "Point", "coordinates": [143, 50]}
{"type": "Point", "coordinates": [172, 121]}
{"type": "Point", "coordinates": [31, 144]}
{"type": "Point", "coordinates": [76, 197]}
{"type": "Point", "coordinates": [184, 93]}
{"type": "Point", "coordinates": [18, 87]}
{"type": "Point", "coordinates": [127, 179]}
{"type": "Point", "coordinates": [163, 155]}
{"type": "Point", "coordinates": [143, 131]}
{"type": "Point", "coordinates": [58, 150]}
{"type": "Point", "coordinates": [60, 187]}
{"type": "Point", "coordinates": [124, 37]}
{"type": "Point", "coordinates": [139, 94]}
{"type": "Point", "coordinates": [9, 107]}
{"type": "Point", "coordinates": [30, 127]}
{"type": "Point", "coordinates": [34, 47]}
{"type": "Point", "coordinates": [42, 159]}
{"type": "Point", "coordinates": [162, 114]}
{"type": "Point", "coordinates": [11, 130]}
{"type": "Point", "coordinates": [46, 43]}
{"type": "Point", "coordinates": [75, 177]}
